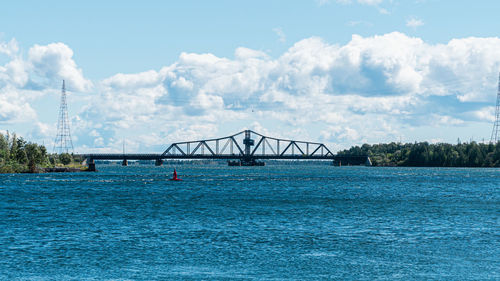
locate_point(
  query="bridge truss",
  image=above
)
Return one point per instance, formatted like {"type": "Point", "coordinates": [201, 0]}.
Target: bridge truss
{"type": "Point", "coordinates": [265, 148]}
{"type": "Point", "coordinates": [244, 148]}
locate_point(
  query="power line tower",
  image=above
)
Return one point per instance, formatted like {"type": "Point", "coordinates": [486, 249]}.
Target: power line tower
{"type": "Point", "coordinates": [63, 143]}
{"type": "Point", "coordinates": [495, 134]}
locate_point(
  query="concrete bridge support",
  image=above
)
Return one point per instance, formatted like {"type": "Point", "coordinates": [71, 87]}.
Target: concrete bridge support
{"type": "Point", "coordinates": [91, 165]}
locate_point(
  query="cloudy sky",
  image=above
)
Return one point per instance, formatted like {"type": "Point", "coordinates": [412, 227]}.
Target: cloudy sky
{"type": "Point", "coordinates": [342, 72]}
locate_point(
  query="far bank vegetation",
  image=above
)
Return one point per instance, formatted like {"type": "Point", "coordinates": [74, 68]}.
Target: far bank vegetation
{"type": "Point", "coordinates": [19, 156]}
{"type": "Point", "coordinates": [423, 154]}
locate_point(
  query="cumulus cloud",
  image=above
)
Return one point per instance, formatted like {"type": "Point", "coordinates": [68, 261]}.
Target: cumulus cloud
{"type": "Point", "coordinates": [367, 90]}
{"type": "Point", "coordinates": [14, 107]}
{"type": "Point", "coordinates": [55, 62]}
{"type": "Point", "coordinates": [23, 81]}
{"type": "Point", "coordinates": [133, 81]}
{"type": "Point", "coordinates": [379, 84]}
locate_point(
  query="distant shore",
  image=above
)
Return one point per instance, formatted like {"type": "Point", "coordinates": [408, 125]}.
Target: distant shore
{"type": "Point", "coordinates": [19, 169]}
{"type": "Point", "coordinates": [20, 156]}
{"type": "Point", "coordinates": [423, 154]}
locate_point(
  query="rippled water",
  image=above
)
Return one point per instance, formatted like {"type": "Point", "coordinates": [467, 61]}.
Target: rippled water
{"type": "Point", "coordinates": [264, 223]}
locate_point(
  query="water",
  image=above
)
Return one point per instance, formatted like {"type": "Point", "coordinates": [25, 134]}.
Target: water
{"type": "Point", "coordinates": [240, 223]}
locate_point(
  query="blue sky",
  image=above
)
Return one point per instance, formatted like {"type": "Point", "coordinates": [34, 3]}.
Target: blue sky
{"type": "Point", "coordinates": [342, 72]}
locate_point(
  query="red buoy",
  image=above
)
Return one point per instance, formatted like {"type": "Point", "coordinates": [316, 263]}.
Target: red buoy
{"type": "Point", "coordinates": [174, 177]}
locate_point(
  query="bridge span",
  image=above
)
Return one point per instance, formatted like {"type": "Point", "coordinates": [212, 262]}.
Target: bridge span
{"type": "Point", "coordinates": [245, 148]}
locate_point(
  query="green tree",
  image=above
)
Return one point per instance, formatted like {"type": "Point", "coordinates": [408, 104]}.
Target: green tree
{"type": "Point", "coordinates": [4, 149]}
{"type": "Point", "coordinates": [21, 156]}
{"type": "Point", "coordinates": [65, 158]}
{"type": "Point", "coordinates": [424, 154]}
{"type": "Point", "coordinates": [34, 156]}
{"type": "Point", "coordinates": [43, 151]}
{"type": "Point", "coordinates": [13, 148]}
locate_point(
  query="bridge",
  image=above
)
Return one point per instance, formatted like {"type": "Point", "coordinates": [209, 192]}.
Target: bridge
{"type": "Point", "coordinates": [240, 149]}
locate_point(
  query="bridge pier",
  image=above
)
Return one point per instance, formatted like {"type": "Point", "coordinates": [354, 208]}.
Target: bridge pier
{"type": "Point", "coordinates": [124, 162]}
{"type": "Point", "coordinates": [91, 166]}
{"type": "Point", "coordinates": [158, 162]}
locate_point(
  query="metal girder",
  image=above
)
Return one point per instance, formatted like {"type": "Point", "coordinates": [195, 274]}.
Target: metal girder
{"type": "Point", "coordinates": [225, 146]}
{"type": "Point", "coordinates": [258, 144]}
{"type": "Point", "coordinates": [208, 147]}
{"type": "Point", "coordinates": [239, 148]}
{"type": "Point", "coordinates": [320, 146]}
{"type": "Point", "coordinates": [270, 146]}
{"type": "Point", "coordinates": [298, 147]}
{"type": "Point", "coordinates": [286, 148]}
{"type": "Point", "coordinates": [219, 147]}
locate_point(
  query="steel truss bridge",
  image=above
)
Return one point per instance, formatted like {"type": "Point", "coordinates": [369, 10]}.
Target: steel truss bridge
{"type": "Point", "coordinates": [245, 148]}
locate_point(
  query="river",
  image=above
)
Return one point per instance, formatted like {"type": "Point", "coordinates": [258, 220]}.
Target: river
{"type": "Point", "coordinates": [278, 222]}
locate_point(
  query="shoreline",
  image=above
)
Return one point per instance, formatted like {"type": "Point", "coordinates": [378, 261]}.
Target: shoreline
{"type": "Point", "coordinates": [62, 170]}
{"type": "Point", "coordinates": [47, 170]}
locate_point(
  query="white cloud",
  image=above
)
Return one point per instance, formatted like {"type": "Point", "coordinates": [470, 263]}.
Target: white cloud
{"type": "Point", "coordinates": [414, 22]}
{"type": "Point", "coordinates": [42, 131]}
{"type": "Point", "coordinates": [243, 53]}
{"type": "Point", "coordinates": [15, 72]}
{"type": "Point", "coordinates": [443, 120]}
{"type": "Point", "coordinates": [368, 89]}
{"type": "Point", "coordinates": [10, 48]}
{"type": "Point", "coordinates": [55, 62]}
{"type": "Point", "coordinates": [14, 108]}
{"type": "Point", "coordinates": [131, 81]}
{"type": "Point", "coordinates": [371, 84]}
{"type": "Point", "coordinates": [486, 114]}
{"type": "Point", "coordinates": [336, 133]}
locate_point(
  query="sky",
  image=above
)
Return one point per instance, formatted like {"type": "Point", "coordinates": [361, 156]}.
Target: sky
{"type": "Point", "coordinates": [341, 72]}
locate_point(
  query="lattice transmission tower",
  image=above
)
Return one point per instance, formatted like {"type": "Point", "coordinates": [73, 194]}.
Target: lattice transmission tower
{"type": "Point", "coordinates": [495, 134]}
{"type": "Point", "coordinates": [63, 143]}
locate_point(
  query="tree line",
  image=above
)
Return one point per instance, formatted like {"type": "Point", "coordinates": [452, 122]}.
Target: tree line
{"type": "Point", "coordinates": [19, 156]}
{"type": "Point", "coordinates": [423, 154]}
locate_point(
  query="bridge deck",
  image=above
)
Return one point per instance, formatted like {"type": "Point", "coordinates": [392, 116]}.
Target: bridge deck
{"type": "Point", "coordinates": [128, 156]}
{"type": "Point", "coordinates": [118, 156]}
